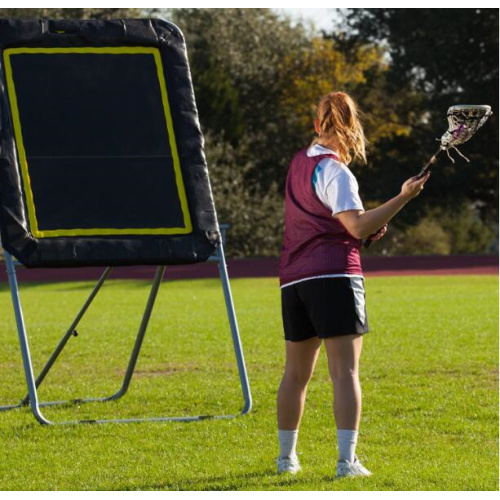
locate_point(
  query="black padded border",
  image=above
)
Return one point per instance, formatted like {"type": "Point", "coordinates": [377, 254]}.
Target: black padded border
{"type": "Point", "coordinates": [110, 250]}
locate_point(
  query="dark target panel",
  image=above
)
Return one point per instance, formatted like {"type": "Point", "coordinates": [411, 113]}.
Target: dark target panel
{"type": "Point", "coordinates": [108, 166]}
{"type": "Point", "coordinates": [105, 161]}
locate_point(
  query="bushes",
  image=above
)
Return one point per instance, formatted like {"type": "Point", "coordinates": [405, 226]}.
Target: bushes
{"type": "Point", "coordinates": [256, 216]}
{"type": "Point", "coordinates": [425, 238]}
{"type": "Point", "coordinates": [440, 233]}
{"type": "Point", "coordinates": [255, 213]}
{"type": "Point", "coordinates": [468, 233]}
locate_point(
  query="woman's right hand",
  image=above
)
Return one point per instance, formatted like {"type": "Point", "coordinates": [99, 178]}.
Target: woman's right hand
{"type": "Point", "coordinates": [412, 187]}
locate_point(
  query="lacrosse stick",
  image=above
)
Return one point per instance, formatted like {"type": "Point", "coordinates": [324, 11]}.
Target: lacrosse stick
{"type": "Point", "coordinates": [464, 120]}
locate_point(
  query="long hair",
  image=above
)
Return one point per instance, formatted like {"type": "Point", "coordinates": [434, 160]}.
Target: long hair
{"type": "Point", "coordinates": [338, 117]}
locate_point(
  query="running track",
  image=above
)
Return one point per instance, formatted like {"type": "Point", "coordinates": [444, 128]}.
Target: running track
{"type": "Point", "coordinates": [268, 267]}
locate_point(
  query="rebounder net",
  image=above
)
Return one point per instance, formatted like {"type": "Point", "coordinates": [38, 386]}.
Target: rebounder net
{"type": "Point", "coordinates": [101, 154]}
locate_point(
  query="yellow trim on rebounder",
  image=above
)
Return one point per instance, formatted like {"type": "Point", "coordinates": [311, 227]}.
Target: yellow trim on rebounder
{"type": "Point", "coordinates": [188, 228]}
{"type": "Point", "coordinates": [20, 144]}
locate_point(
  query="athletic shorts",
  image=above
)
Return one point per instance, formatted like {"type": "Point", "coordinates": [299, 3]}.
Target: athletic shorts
{"type": "Point", "coordinates": [324, 307]}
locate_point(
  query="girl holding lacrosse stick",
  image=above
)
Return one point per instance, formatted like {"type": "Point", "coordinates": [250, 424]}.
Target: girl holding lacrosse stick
{"type": "Point", "coordinates": [322, 286]}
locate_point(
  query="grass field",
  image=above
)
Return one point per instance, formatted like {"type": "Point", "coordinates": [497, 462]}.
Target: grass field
{"type": "Point", "coordinates": [429, 375]}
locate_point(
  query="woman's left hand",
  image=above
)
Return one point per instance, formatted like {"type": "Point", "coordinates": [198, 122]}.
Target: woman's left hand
{"type": "Point", "coordinates": [380, 234]}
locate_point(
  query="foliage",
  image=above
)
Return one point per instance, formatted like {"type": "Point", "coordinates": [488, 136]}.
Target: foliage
{"type": "Point", "coordinates": [72, 13]}
{"type": "Point", "coordinates": [255, 216]}
{"type": "Point", "coordinates": [446, 56]}
{"type": "Point", "coordinates": [235, 57]}
{"type": "Point", "coordinates": [468, 233]}
{"type": "Point", "coordinates": [439, 232]}
{"type": "Point", "coordinates": [257, 78]}
{"type": "Point", "coordinates": [425, 238]}
{"type": "Point", "coordinates": [322, 67]}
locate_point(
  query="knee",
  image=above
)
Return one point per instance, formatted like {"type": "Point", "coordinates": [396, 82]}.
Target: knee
{"type": "Point", "coordinates": [343, 374]}
{"type": "Point", "coordinates": [297, 378]}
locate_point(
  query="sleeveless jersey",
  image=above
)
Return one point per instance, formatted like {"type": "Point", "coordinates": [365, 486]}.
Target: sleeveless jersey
{"type": "Point", "coordinates": [315, 244]}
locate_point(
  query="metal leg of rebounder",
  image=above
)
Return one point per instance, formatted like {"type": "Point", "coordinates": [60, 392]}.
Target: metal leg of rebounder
{"type": "Point", "coordinates": [32, 397]}
{"type": "Point", "coordinates": [140, 336]}
{"type": "Point", "coordinates": [33, 384]}
{"type": "Point", "coordinates": [23, 340]}
{"type": "Point", "coordinates": [245, 386]}
{"type": "Point", "coordinates": [234, 332]}
{"type": "Point", "coordinates": [135, 352]}
{"type": "Point", "coordinates": [236, 342]}
{"type": "Point", "coordinates": [70, 332]}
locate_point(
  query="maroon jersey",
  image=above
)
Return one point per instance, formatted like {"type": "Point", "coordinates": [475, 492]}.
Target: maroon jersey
{"type": "Point", "coordinates": [315, 244]}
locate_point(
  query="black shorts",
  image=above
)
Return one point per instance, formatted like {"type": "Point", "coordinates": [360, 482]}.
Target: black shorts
{"type": "Point", "coordinates": [324, 307]}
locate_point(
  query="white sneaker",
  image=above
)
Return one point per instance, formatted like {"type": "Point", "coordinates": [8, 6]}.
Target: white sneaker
{"type": "Point", "coordinates": [351, 469]}
{"type": "Point", "coordinates": [288, 465]}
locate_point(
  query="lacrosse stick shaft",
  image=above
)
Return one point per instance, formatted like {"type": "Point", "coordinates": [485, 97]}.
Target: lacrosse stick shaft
{"type": "Point", "coordinates": [431, 162]}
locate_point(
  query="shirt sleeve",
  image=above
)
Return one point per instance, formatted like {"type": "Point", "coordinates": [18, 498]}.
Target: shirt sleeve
{"type": "Point", "coordinates": [338, 189]}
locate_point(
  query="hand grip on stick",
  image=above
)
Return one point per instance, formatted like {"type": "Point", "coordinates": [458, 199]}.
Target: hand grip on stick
{"type": "Point", "coordinates": [369, 240]}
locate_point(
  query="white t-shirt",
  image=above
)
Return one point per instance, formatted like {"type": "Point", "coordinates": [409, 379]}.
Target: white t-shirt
{"type": "Point", "coordinates": [334, 184]}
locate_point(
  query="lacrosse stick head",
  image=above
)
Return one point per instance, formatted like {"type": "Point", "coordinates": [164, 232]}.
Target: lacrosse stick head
{"type": "Point", "coordinates": [463, 122]}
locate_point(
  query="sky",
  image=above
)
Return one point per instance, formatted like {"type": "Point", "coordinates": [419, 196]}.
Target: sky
{"type": "Point", "coordinates": [322, 18]}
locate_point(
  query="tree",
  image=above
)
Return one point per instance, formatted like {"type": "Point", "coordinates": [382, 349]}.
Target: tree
{"type": "Point", "coordinates": [447, 56]}
{"type": "Point", "coordinates": [257, 78]}
{"type": "Point", "coordinates": [72, 13]}
{"type": "Point", "coordinates": [254, 213]}
{"type": "Point", "coordinates": [235, 57]}
{"type": "Point", "coordinates": [322, 67]}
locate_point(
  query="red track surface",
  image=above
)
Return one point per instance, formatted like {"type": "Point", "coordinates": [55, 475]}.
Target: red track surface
{"type": "Point", "coordinates": [268, 267]}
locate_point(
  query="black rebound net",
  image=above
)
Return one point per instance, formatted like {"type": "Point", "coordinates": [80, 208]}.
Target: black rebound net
{"type": "Point", "coordinates": [101, 154]}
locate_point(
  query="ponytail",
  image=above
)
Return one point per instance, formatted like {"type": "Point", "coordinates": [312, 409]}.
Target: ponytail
{"type": "Point", "coordinates": [338, 116]}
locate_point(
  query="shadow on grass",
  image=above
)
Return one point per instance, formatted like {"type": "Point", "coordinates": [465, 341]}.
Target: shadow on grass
{"type": "Point", "coordinates": [66, 286]}
{"type": "Point", "coordinates": [222, 483]}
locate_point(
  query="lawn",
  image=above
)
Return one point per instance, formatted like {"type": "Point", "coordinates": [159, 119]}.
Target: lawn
{"type": "Point", "coordinates": [429, 375]}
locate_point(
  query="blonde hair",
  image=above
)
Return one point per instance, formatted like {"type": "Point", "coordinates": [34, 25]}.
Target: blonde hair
{"type": "Point", "coordinates": [338, 117]}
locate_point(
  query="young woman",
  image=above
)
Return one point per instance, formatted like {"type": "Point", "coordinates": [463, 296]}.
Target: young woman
{"type": "Point", "coordinates": [322, 287]}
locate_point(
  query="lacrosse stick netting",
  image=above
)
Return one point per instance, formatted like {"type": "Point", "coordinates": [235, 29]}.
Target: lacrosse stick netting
{"type": "Point", "coordinates": [464, 120]}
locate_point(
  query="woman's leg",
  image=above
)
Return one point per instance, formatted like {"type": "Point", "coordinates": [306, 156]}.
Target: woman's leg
{"type": "Point", "coordinates": [343, 363]}
{"type": "Point", "coordinates": [300, 362]}
{"type": "Point", "coordinates": [301, 359]}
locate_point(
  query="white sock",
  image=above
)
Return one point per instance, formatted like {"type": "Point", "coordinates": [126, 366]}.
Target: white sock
{"type": "Point", "coordinates": [288, 442]}
{"type": "Point", "coordinates": [346, 442]}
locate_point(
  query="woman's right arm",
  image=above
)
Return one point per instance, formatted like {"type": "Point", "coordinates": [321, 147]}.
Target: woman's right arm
{"type": "Point", "coordinates": [363, 224]}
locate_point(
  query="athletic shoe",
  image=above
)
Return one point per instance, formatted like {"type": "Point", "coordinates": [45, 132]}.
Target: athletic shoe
{"type": "Point", "coordinates": [351, 469]}
{"type": "Point", "coordinates": [288, 465]}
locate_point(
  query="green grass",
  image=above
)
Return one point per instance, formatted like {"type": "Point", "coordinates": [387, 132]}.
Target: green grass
{"type": "Point", "coordinates": [429, 376]}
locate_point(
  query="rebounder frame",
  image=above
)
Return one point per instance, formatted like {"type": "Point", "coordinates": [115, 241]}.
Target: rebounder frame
{"type": "Point", "coordinates": [161, 47]}
{"type": "Point", "coordinates": [33, 383]}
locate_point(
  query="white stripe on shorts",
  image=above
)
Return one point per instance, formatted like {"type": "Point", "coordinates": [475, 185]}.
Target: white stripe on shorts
{"type": "Point", "coordinates": [324, 276]}
{"type": "Point", "coordinates": [357, 285]}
